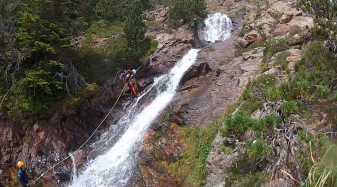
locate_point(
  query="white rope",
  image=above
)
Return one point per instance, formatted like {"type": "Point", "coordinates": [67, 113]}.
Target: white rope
{"type": "Point", "coordinates": [141, 65]}
{"type": "Point", "coordinates": [86, 140]}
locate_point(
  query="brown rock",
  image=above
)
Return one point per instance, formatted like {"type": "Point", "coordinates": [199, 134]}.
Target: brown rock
{"type": "Point", "coordinates": [295, 55]}
{"type": "Point", "coordinates": [252, 36]}
{"type": "Point", "coordinates": [286, 18]}
{"type": "Point", "coordinates": [302, 22]}
{"type": "Point", "coordinates": [163, 38]}
{"type": "Point", "coordinates": [184, 34]}
{"type": "Point", "coordinates": [159, 14]}
{"type": "Point", "coordinates": [281, 29]}
{"type": "Point", "coordinates": [265, 18]}
{"type": "Point", "coordinates": [241, 43]}
{"type": "Point", "coordinates": [297, 13]}
{"type": "Point", "coordinates": [280, 7]}
{"type": "Point", "coordinates": [162, 15]}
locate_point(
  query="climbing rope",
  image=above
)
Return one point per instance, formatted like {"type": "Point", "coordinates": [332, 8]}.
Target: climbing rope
{"type": "Point", "coordinates": [141, 65]}
{"type": "Point", "coordinates": [86, 140]}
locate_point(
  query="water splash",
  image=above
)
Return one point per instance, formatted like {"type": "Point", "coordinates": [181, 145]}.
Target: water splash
{"type": "Point", "coordinates": [218, 27]}
{"type": "Point", "coordinates": [74, 171]}
{"type": "Point", "coordinates": [115, 165]}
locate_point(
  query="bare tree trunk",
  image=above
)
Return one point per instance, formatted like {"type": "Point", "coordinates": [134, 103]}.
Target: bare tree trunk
{"type": "Point", "coordinates": [9, 64]}
{"type": "Point", "coordinates": [73, 80]}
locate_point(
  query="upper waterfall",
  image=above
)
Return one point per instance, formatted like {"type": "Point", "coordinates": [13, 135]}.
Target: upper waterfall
{"type": "Point", "coordinates": [218, 27]}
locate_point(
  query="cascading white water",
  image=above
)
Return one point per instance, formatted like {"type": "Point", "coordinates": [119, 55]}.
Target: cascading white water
{"type": "Point", "coordinates": [74, 174]}
{"type": "Point", "coordinates": [218, 27]}
{"type": "Point", "coordinates": [114, 166]}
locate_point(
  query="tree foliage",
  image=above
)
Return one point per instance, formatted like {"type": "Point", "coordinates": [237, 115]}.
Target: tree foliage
{"type": "Point", "coordinates": [39, 33]}
{"type": "Point", "coordinates": [116, 10]}
{"type": "Point", "coordinates": [137, 43]}
{"type": "Point", "coordinates": [38, 65]}
{"type": "Point", "coordinates": [186, 10]}
{"type": "Point", "coordinates": [37, 91]}
{"type": "Point", "coordinates": [324, 12]}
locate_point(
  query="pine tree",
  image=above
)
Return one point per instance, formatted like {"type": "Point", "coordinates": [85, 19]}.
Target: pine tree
{"type": "Point", "coordinates": [325, 15]}
{"type": "Point", "coordinates": [186, 10]}
{"type": "Point", "coordinates": [137, 43]}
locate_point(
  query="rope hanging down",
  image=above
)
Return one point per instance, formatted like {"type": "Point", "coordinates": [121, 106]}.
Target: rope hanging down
{"type": "Point", "coordinates": [86, 140]}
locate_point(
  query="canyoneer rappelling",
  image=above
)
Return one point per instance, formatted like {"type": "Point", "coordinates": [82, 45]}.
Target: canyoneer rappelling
{"type": "Point", "coordinates": [127, 76]}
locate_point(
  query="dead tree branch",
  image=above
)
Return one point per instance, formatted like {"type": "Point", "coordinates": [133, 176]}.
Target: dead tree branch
{"type": "Point", "coordinates": [73, 80]}
{"type": "Point", "coordinates": [9, 63]}
{"type": "Point", "coordinates": [284, 142]}
{"type": "Point", "coordinates": [12, 62]}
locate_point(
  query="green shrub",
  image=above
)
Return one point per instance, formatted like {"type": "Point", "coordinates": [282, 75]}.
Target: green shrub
{"type": "Point", "coordinates": [257, 149]}
{"type": "Point", "coordinates": [238, 124]}
{"type": "Point", "coordinates": [37, 91]}
{"type": "Point", "coordinates": [289, 107]}
{"type": "Point", "coordinates": [314, 73]}
{"type": "Point", "coordinates": [274, 46]}
{"type": "Point", "coordinates": [281, 59]}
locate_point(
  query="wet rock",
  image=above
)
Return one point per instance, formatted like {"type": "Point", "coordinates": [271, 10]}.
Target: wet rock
{"type": "Point", "coordinates": [178, 116]}
{"type": "Point", "coordinates": [162, 60]}
{"type": "Point", "coordinates": [208, 95]}
{"type": "Point", "coordinates": [195, 71]}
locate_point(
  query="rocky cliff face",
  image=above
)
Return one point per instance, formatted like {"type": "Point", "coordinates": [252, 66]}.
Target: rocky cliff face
{"type": "Point", "coordinates": [208, 88]}
{"type": "Point", "coordinates": [49, 139]}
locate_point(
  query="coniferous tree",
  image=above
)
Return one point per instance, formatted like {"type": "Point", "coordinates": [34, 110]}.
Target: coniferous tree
{"type": "Point", "coordinates": [186, 10]}
{"type": "Point", "coordinates": [112, 10]}
{"type": "Point", "coordinates": [137, 43]}
{"type": "Point", "coordinates": [324, 13]}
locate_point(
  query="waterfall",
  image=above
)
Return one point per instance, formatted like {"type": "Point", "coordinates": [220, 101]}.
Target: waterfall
{"type": "Point", "coordinates": [117, 148]}
{"type": "Point", "coordinates": [74, 174]}
{"type": "Point", "coordinates": [218, 27]}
